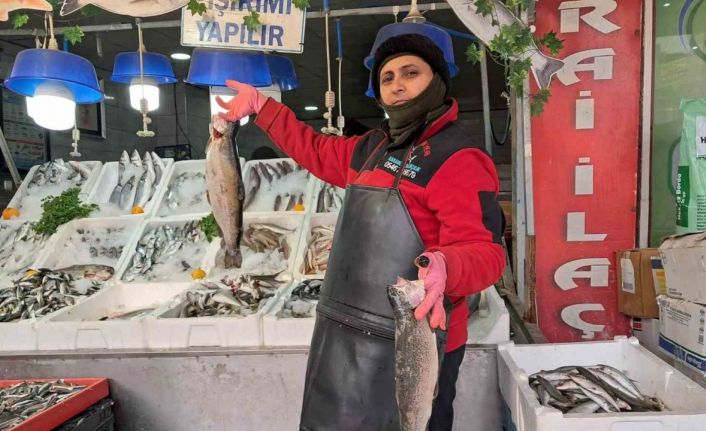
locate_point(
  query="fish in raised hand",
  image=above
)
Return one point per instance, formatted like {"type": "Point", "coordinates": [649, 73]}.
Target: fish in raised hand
{"type": "Point", "coordinates": [543, 66]}
{"type": "Point", "coordinates": [137, 8]}
{"type": "Point", "coordinates": [225, 189]}
{"type": "Point", "coordinates": [7, 6]}
{"type": "Point", "coordinates": [416, 356]}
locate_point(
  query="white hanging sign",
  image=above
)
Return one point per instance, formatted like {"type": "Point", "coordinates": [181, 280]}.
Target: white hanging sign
{"type": "Point", "coordinates": [222, 26]}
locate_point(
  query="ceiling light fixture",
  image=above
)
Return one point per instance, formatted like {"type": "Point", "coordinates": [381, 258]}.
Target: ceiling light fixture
{"type": "Point", "coordinates": [311, 108]}
{"type": "Point", "coordinates": [182, 56]}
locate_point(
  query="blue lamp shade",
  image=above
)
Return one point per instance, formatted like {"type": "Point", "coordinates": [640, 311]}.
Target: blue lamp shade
{"type": "Point", "coordinates": [34, 67]}
{"type": "Point", "coordinates": [213, 67]}
{"type": "Point", "coordinates": [282, 71]}
{"type": "Point", "coordinates": [441, 38]}
{"type": "Point", "coordinates": [154, 66]}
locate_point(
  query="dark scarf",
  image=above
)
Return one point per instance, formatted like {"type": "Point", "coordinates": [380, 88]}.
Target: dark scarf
{"type": "Point", "coordinates": [405, 119]}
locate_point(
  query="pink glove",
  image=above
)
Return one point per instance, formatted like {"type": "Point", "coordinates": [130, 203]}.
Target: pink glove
{"type": "Point", "coordinates": [248, 101]}
{"type": "Point", "coordinates": [434, 278]}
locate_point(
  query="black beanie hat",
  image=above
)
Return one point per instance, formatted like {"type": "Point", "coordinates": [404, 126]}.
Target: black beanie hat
{"type": "Point", "coordinates": [414, 44]}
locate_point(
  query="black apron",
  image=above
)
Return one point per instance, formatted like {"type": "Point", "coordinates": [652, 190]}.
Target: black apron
{"type": "Point", "coordinates": [350, 373]}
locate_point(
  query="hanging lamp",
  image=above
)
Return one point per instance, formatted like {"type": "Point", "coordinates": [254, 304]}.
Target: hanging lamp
{"type": "Point", "coordinates": [157, 70]}
{"type": "Point", "coordinates": [53, 82]}
{"type": "Point", "coordinates": [213, 67]}
{"type": "Point", "coordinates": [440, 38]}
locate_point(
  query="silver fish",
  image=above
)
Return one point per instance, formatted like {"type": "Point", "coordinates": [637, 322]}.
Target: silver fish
{"type": "Point", "coordinates": [25, 399]}
{"type": "Point", "coordinates": [253, 186]}
{"type": "Point", "coordinates": [145, 186]}
{"type": "Point", "coordinates": [159, 167]}
{"type": "Point", "coordinates": [138, 8]}
{"type": "Point", "coordinates": [585, 407]}
{"type": "Point", "coordinates": [543, 66]}
{"type": "Point", "coordinates": [79, 167]}
{"type": "Point", "coordinates": [127, 195]}
{"type": "Point", "coordinates": [224, 185]}
{"type": "Point", "coordinates": [135, 159]}
{"type": "Point", "coordinates": [416, 357]}
{"type": "Point", "coordinates": [117, 190]}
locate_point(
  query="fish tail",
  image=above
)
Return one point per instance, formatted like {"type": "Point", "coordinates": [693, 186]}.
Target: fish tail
{"type": "Point", "coordinates": [544, 67]}
{"type": "Point", "coordinates": [232, 259]}
{"type": "Point", "coordinates": [70, 6]}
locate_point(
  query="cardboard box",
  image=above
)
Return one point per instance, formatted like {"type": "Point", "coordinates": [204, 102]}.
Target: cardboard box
{"type": "Point", "coordinates": [681, 330]}
{"type": "Point", "coordinates": [637, 295]}
{"type": "Point", "coordinates": [684, 260]}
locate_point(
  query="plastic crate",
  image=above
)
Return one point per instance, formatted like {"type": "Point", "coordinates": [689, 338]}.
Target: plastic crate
{"type": "Point", "coordinates": [96, 389]}
{"type": "Point", "coordinates": [312, 221]}
{"type": "Point", "coordinates": [105, 184]}
{"type": "Point", "coordinates": [177, 168]}
{"type": "Point", "coordinates": [34, 200]}
{"type": "Point", "coordinates": [66, 248]}
{"type": "Point", "coordinates": [98, 417]}
{"type": "Point", "coordinates": [79, 327]}
{"type": "Point", "coordinates": [685, 399]}
{"type": "Point", "coordinates": [166, 330]}
{"type": "Point", "coordinates": [287, 220]}
{"type": "Point", "coordinates": [183, 278]}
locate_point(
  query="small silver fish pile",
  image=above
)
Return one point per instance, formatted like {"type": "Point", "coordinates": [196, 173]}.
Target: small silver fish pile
{"type": "Point", "coordinates": [274, 173]}
{"type": "Point", "coordinates": [22, 400]}
{"type": "Point", "coordinates": [138, 179]}
{"type": "Point", "coordinates": [302, 300]}
{"type": "Point", "coordinates": [594, 389]}
{"type": "Point", "coordinates": [260, 237]}
{"type": "Point", "coordinates": [42, 292]}
{"type": "Point", "coordinates": [160, 245]}
{"type": "Point", "coordinates": [186, 190]}
{"type": "Point", "coordinates": [57, 171]}
{"type": "Point", "coordinates": [318, 250]}
{"type": "Point", "coordinates": [238, 298]}
{"type": "Point", "coordinates": [329, 199]}
{"type": "Point", "coordinates": [19, 249]}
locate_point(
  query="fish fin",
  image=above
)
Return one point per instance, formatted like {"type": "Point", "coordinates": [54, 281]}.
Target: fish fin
{"type": "Point", "coordinates": [70, 6]}
{"type": "Point", "coordinates": [232, 259]}
{"type": "Point", "coordinates": [544, 75]}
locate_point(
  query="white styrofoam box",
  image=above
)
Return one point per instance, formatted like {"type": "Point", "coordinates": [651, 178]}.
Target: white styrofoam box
{"type": "Point", "coordinates": [318, 186]}
{"type": "Point", "coordinates": [30, 204]}
{"type": "Point", "coordinates": [288, 220]}
{"type": "Point", "coordinates": [491, 323]}
{"type": "Point", "coordinates": [312, 221]}
{"type": "Point", "coordinates": [182, 279]}
{"type": "Point", "coordinates": [166, 330]}
{"type": "Point", "coordinates": [647, 331]}
{"type": "Point", "coordinates": [108, 179]}
{"type": "Point", "coordinates": [292, 331]}
{"type": "Point", "coordinates": [17, 256]}
{"type": "Point", "coordinates": [18, 336]}
{"type": "Point", "coordinates": [72, 245]}
{"type": "Point", "coordinates": [685, 399]}
{"type": "Point", "coordinates": [684, 261]}
{"type": "Point", "coordinates": [80, 327]}
{"type": "Point", "coordinates": [296, 182]}
{"type": "Point", "coordinates": [197, 190]}
{"type": "Point", "coordinates": [681, 330]}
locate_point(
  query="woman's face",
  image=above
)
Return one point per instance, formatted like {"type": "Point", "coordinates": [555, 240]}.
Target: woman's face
{"type": "Point", "coordinates": [404, 78]}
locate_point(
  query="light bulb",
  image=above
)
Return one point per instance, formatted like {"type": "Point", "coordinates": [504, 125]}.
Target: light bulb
{"type": "Point", "coordinates": [151, 93]}
{"type": "Point", "coordinates": [52, 106]}
{"type": "Point", "coordinates": [216, 108]}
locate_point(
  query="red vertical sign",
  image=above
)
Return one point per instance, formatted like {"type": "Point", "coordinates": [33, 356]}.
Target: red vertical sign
{"type": "Point", "coordinates": [585, 153]}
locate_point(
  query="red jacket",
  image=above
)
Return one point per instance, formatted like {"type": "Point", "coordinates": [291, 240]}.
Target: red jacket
{"type": "Point", "coordinates": [449, 186]}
